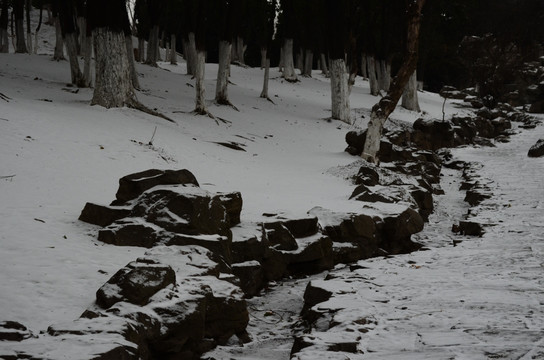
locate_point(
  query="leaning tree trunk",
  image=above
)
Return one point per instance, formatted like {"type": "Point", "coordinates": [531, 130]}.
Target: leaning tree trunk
{"type": "Point", "coordinates": [381, 111]}
{"type": "Point", "coordinates": [308, 63]}
{"type": "Point", "coordinates": [59, 42]}
{"type": "Point", "coordinates": [372, 79]}
{"type": "Point", "coordinates": [409, 97]}
{"type": "Point", "coordinates": [324, 67]}
{"type": "Point", "coordinates": [264, 93]}
{"type": "Point", "coordinates": [113, 86]}
{"type": "Point", "coordinates": [71, 47]}
{"type": "Point", "coordinates": [200, 102]}
{"type": "Point", "coordinates": [153, 46]}
{"type": "Point", "coordinates": [289, 73]}
{"type": "Point", "coordinates": [173, 53]}
{"type": "Point", "coordinates": [221, 91]}
{"type": "Point", "coordinates": [340, 91]}
{"type": "Point", "coordinates": [132, 66]}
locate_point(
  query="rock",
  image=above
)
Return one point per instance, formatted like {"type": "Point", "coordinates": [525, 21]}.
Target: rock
{"type": "Point", "coordinates": [315, 255]}
{"type": "Point", "coordinates": [537, 107]}
{"type": "Point", "coordinates": [364, 193]}
{"type": "Point", "coordinates": [356, 142]}
{"type": "Point", "coordinates": [424, 200]}
{"type": "Point", "coordinates": [449, 92]}
{"type": "Point", "coordinates": [470, 228]}
{"type": "Point", "coordinates": [474, 197]}
{"type": "Point", "coordinates": [251, 277]}
{"type": "Point", "coordinates": [135, 283]}
{"type": "Point", "coordinates": [367, 176]}
{"type": "Point", "coordinates": [129, 232]}
{"type": "Point", "coordinates": [248, 247]}
{"type": "Point", "coordinates": [302, 227]}
{"type": "Point", "coordinates": [225, 316]}
{"type": "Point", "coordinates": [102, 215]}
{"type": "Point", "coordinates": [279, 237]}
{"type": "Point", "coordinates": [315, 294]}
{"type": "Point", "coordinates": [465, 130]}
{"type": "Point", "coordinates": [397, 230]}
{"type": "Point", "coordinates": [13, 331]}
{"type": "Point", "coordinates": [537, 150]}
{"type": "Point", "coordinates": [133, 185]}
{"type": "Point", "coordinates": [233, 205]}
{"type": "Point", "coordinates": [433, 134]}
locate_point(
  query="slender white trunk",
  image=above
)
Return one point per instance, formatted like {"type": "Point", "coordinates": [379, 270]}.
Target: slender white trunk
{"type": "Point", "coordinates": [373, 136]}
{"type": "Point", "coordinates": [173, 53]}
{"type": "Point", "coordinates": [87, 65]}
{"type": "Point", "coordinates": [191, 54]}
{"type": "Point", "coordinates": [141, 50]}
{"type": "Point", "coordinates": [113, 86]}
{"type": "Point", "coordinates": [153, 46]}
{"type": "Point", "coordinates": [308, 63]}
{"type": "Point", "coordinates": [340, 91]}
{"type": "Point", "coordinates": [372, 79]}
{"type": "Point", "coordinates": [70, 40]}
{"type": "Point", "coordinates": [132, 66]}
{"type": "Point", "coordinates": [289, 73]}
{"type": "Point", "coordinates": [364, 70]}
{"type": "Point", "coordinates": [59, 42]}
{"type": "Point", "coordinates": [263, 57]}
{"type": "Point", "coordinates": [200, 101]}
{"type": "Point", "coordinates": [4, 41]}
{"type": "Point", "coordinates": [409, 97]}
{"type": "Point", "coordinates": [264, 93]}
{"type": "Point", "coordinates": [324, 67]}
{"type": "Point", "coordinates": [221, 90]}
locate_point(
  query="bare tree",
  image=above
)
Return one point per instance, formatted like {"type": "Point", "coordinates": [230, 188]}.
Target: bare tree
{"type": "Point", "coordinates": [19, 11]}
{"type": "Point", "coordinates": [4, 43]}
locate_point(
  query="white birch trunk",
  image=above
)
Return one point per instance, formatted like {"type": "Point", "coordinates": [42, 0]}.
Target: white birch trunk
{"type": "Point", "coordinates": [340, 91]}
{"type": "Point", "coordinates": [200, 101]}
{"type": "Point", "coordinates": [373, 136]}
{"type": "Point", "coordinates": [70, 40]}
{"type": "Point", "coordinates": [324, 67]}
{"type": "Point", "coordinates": [221, 90]}
{"type": "Point", "coordinates": [409, 97]}
{"type": "Point", "coordinates": [264, 93]}
{"type": "Point", "coordinates": [4, 41]}
{"type": "Point", "coordinates": [132, 66]}
{"type": "Point", "coordinates": [141, 50]}
{"type": "Point", "coordinates": [289, 73]}
{"type": "Point", "coordinates": [153, 46]}
{"type": "Point", "coordinates": [191, 55]}
{"type": "Point", "coordinates": [263, 57]}
{"type": "Point", "coordinates": [59, 42]}
{"type": "Point", "coordinates": [372, 79]}
{"type": "Point", "coordinates": [173, 53]}
{"type": "Point", "coordinates": [113, 86]}
{"type": "Point", "coordinates": [87, 64]}
{"type": "Point", "coordinates": [308, 63]}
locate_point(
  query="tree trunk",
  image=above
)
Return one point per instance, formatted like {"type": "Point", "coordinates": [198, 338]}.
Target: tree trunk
{"type": "Point", "coordinates": [372, 79]}
{"type": "Point", "coordinates": [82, 25]}
{"type": "Point", "coordinates": [28, 28]}
{"type": "Point", "coordinates": [364, 69]}
{"type": "Point", "coordinates": [141, 50]}
{"type": "Point", "coordinates": [409, 97]}
{"type": "Point", "coordinates": [308, 63]}
{"type": "Point", "coordinates": [71, 47]}
{"type": "Point", "coordinates": [384, 74]}
{"type": "Point", "coordinates": [4, 41]}
{"type": "Point", "coordinates": [300, 60]}
{"type": "Point", "coordinates": [87, 65]}
{"type": "Point", "coordinates": [324, 67]}
{"type": "Point", "coordinates": [264, 93]}
{"type": "Point", "coordinates": [384, 108]}
{"type": "Point", "coordinates": [173, 53]}
{"type": "Point", "coordinates": [281, 64]}
{"type": "Point", "coordinates": [340, 91]}
{"type": "Point", "coordinates": [153, 46]}
{"type": "Point", "coordinates": [240, 50]}
{"type": "Point", "coordinates": [221, 91]}
{"type": "Point", "coordinates": [132, 66]}
{"type": "Point", "coordinates": [59, 42]}
{"type": "Point", "coordinates": [264, 52]}
{"type": "Point", "coordinates": [191, 54]}
{"type": "Point", "coordinates": [289, 73]}
{"type": "Point", "coordinates": [113, 86]}
{"type": "Point", "coordinates": [18, 6]}
{"type": "Point", "coordinates": [4, 21]}
{"type": "Point", "coordinates": [200, 87]}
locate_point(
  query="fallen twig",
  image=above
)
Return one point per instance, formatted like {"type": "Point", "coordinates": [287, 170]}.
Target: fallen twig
{"type": "Point", "coordinates": [9, 177]}
{"type": "Point", "coordinates": [4, 97]}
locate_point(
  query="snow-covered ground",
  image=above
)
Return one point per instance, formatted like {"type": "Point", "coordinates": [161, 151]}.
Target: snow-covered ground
{"type": "Point", "coordinates": [57, 153]}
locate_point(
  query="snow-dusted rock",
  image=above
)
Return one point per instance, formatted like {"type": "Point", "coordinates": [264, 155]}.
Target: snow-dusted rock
{"type": "Point", "coordinates": [537, 150]}
{"type": "Point", "coordinates": [103, 215]}
{"type": "Point", "coordinates": [13, 331]}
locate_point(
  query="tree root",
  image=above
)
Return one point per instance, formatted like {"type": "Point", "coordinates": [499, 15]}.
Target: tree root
{"type": "Point", "coordinates": [135, 104]}
{"type": "Point", "coordinates": [226, 102]}
{"type": "Point", "coordinates": [268, 98]}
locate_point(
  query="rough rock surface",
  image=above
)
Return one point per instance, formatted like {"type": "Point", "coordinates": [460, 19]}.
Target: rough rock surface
{"type": "Point", "coordinates": [537, 150]}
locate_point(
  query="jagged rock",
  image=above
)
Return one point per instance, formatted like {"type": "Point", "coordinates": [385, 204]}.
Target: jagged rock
{"type": "Point", "coordinates": [465, 130]}
{"type": "Point", "coordinates": [251, 277]}
{"type": "Point", "coordinates": [13, 331]}
{"type": "Point", "coordinates": [433, 134]}
{"type": "Point", "coordinates": [315, 294]}
{"type": "Point", "coordinates": [470, 228]}
{"type": "Point", "coordinates": [367, 176]}
{"type": "Point", "coordinates": [102, 215]}
{"type": "Point", "coordinates": [129, 232]}
{"type": "Point", "coordinates": [475, 197]}
{"type": "Point", "coordinates": [450, 92]}
{"type": "Point", "coordinates": [302, 227]}
{"type": "Point", "coordinates": [424, 200]}
{"type": "Point", "coordinates": [356, 142]}
{"type": "Point", "coordinates": [248, 247]}
{"type": "Point", "coordinates": [537, 150]}
{"type": "Point", "coordinates": [233, 205]}
{"type": "Point", "coordinates": [314, 255]}
{"type": "Point", "coordinates": [364, 193]}
{"type": "Point", "coordinates": [133, 185]}
{"type": "Point", "coordinates": [398, 229]}
{"type": "Point", "coordinates": [135, 283]}
{"type": "Point", "coordinates": [278, 236]}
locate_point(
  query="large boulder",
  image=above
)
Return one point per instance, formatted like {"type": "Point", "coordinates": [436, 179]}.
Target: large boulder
{"type": "Point", "coordinates": [537, 150]}
{"type": "Point", "coordinates": [103, 215]}
{"type": "Point", "coordinates": [433, 134]}
{"type": "Point", "coordinates": [13, 331]}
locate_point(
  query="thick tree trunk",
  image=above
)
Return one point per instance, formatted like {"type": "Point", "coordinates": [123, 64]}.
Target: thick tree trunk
{"type": "Point", "coordinates": [191, 55]}
{"type": "Point", "coordinates": [113, 86]}
{"type": "Point", "coordinates": [289, 73]}
{"type": "Point", "coordinates": [4, 41]}
{"type": "Point", "coordinates": [141, 50]}
{"type": "Point", "coordinates": [384, 74]}
{"type": "Point", "coordinates": [264, 52]}
{"type": "Point", "coordinates": [308, 63]}
{"type": "Point", "coordinates": [59, 42]}
{"type": "Point", "coordinates": [264, 93]}
{"type": "Point", "coordinates": [384, 108]}
{"type": "Point", "coordinates": [324, 67]}
{"type": "Point", "coordinates": [153, 46]}
{"type": "Point", "coordinates": [20, 36]}
{"type": "Point", "coordinates": [221, 90]}
{"type": "Point", "coordinates": [70, 40]}
{"type": "Point", "coordinates": [409, 97]}
{"type": "Point", "coordinates": [200, 103]}
{"type": "Point", "coordinates": [87, 65]}
{"type": "Point", "coordinates": [372, 79]}
{"type": "Point", "coordinates": [340, 91]}
{"type": "Point", "coordinates": [173, 53]}
{"type": "Point", "coordinates": [132, 66]}
{"type": "Point", "coordinates": [4, 20]}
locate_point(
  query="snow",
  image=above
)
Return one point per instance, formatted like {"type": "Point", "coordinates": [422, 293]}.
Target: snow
{"type": "Point", "coordinates": [482, 298]}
